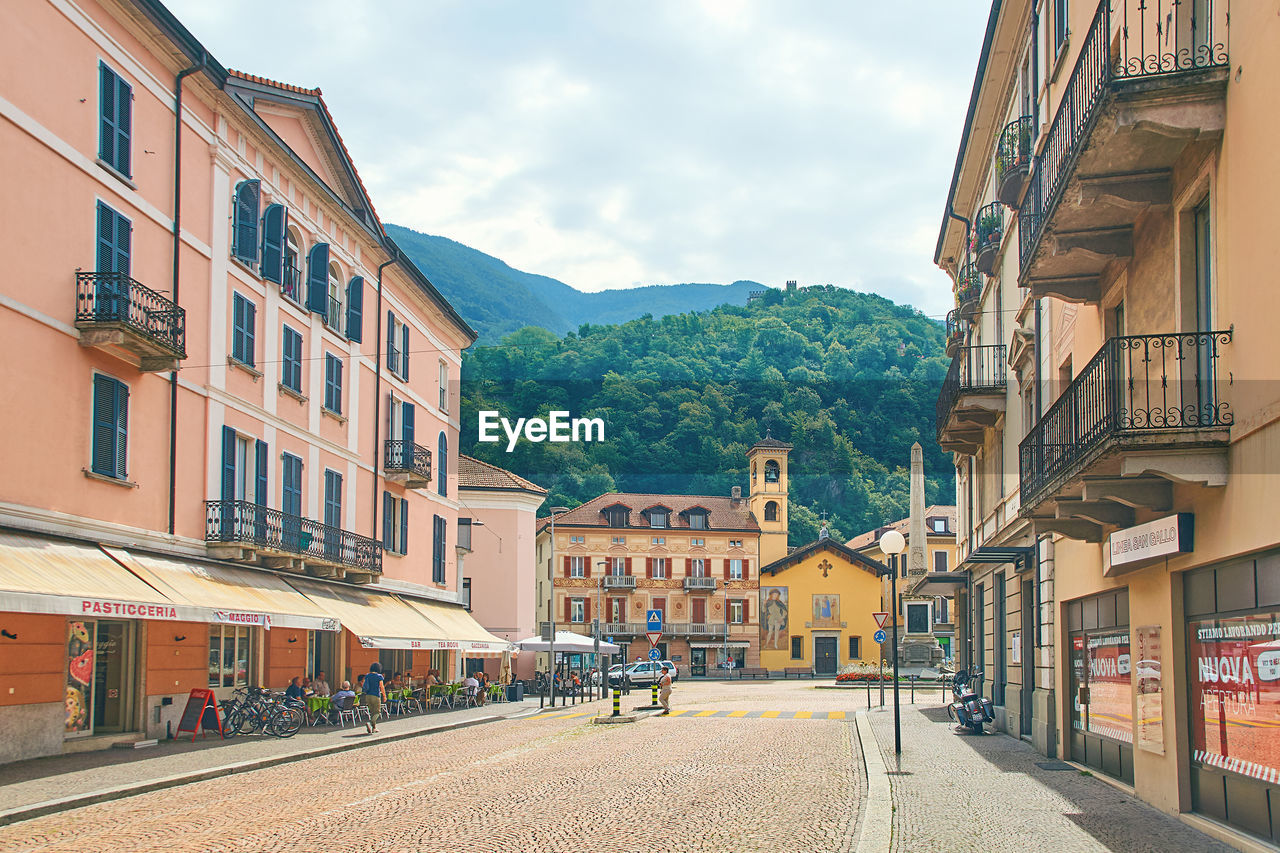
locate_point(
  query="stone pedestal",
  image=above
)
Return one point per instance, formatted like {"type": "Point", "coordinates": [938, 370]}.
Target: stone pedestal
{"type": "Point", "coordinates": [918, 652]}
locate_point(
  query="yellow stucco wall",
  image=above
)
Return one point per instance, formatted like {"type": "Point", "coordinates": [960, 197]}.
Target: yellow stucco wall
{"type": "Point", "coordinates": [859, 597]}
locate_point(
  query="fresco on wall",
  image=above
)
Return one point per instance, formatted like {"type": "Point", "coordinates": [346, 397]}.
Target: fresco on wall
{"type": "Point", "coordinates": [773, 617]}
{"type": "Point", "coordinates": [826, 610]}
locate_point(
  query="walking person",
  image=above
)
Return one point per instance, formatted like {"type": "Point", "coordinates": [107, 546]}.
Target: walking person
{"type": "Point", "coordinates": [664, 691]}
{"type": "Point", "coordinates": [375, 693]}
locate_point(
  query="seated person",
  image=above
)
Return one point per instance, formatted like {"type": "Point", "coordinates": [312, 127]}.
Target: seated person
{"type": "Point", "coordinates": [345, 693]}
{"type": "Point", "coordinates": [470, 684]}
{"type": "Point", "coordinates": [433, 678]}
{"type": "Point", "coordinates": [320, 687]}
{"type": "Point", "coordinates": [294, 690]}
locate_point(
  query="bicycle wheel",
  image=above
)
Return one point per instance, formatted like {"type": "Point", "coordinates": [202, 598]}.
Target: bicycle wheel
{"type": "Point", "coordinates": [231, 722]}
{"type": "Point", "coordinates": [286, 722]}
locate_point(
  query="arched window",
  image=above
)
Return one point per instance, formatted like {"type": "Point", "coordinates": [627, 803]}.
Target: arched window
{"type": "Point", "coordinates": [771, 511]}
{"type": "Point", "coordinates": [753, 472]}
{"type": "Point", "coordinates": [291, 285]}
{"type": "Point", "coordinates": [442, 465]}
{"type": "Point", "coordinates": [771, 471]}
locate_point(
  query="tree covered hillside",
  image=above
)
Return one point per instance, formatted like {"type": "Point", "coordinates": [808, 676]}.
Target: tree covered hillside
{"type": "Point", "coordinates": [849, 378]}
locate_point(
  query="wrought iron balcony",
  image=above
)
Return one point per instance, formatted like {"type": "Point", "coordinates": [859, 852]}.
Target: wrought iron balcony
{"type": "Point", "coordinates": [1150, 78]}
{"type": "Point", "coordinates": [955, 332]}
{"type": "Point", "coordinates": [113, 310]}
{"type": "Point", "coordinates": [1144, 394]}
{"type": "Point", "coordinates": [291, 286]}
{"type": "Point", "coordinates": [987, 233]}
{"type": "Point", "coordinates": [968, 290]}
{"type": "Point", "coordinates": [408, 463]}
{"type": "Point", "coordinates": [244, 531]}
{"type": "Point", "coordinates": [1013, 160]}
{"type": "Point", "coordinates": [619, 582]}
{"type": "Point", "coordinates": [972, 397]}
{"type": "Point", "coordinates": [700, 584]}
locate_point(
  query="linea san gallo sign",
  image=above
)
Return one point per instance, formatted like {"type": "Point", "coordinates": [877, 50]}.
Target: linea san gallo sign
{"type": "Point", "coordinates": [1160, 538]}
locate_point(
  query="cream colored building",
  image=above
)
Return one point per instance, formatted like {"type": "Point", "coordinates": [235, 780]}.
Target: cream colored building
{"type": "Point", "coordinates": [1116, 436]}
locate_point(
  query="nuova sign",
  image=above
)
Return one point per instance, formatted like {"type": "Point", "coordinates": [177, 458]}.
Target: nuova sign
{"type": "Point", "coordinates": [1159, 538]}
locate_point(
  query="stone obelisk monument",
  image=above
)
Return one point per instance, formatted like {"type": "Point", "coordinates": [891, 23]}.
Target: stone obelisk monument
{"type": "Point", "coordinates": [918, 647]}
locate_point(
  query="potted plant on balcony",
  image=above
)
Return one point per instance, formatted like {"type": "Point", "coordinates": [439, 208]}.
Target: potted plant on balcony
{"type": "Point", "coordinates": [1013, 160]}
{"type": "Point", "coordinates": [968, 289]}
{"type": "Point", "coordinates": [989, 230]}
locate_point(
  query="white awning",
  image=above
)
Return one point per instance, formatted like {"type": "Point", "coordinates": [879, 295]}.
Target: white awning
{"type": "Point", "coordinates": [378, 619]}
{"type": "Point", "coordinates": [227, 594]}
{"type": "Point", "coordinates": [462, 631]}
{"type": "Point", "coordinates": [569, 643]}
{"type": "Point", "coordinates": [733, 644]}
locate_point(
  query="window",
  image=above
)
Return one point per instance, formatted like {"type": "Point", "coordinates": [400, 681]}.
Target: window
{"type": "Point", "coordinates": [855, 648]}
{"type": "Point", "coordinates": [1060, 30]}
{"type": "Point", "coordinates": [115, 125]}
{"type": "Point", "coordinates": [659, 567]}
{"type": "Point", "coordinates": [437, 550]}
{"type": "Point", "coordinates": [771, 471]}
{"type": "Point", "coordinates": [659, 540]}
{"type": "Point", "coordinates": [290, 273]}
{"type": "Point", "coordinates": [939, 561]}
{"type": "Point", "coordinates": [444, 386]}
{"type": "Point", "coordinates": [771, 511]}
{"type": "Point", "coordinates": [244, 222]}
{"type": "Point", "coordinates": [291, 360]}
{"type": "Point", "coordinates": [577, 567]}
{"type": "Point", "coordinates": [698, 520]}
{"type": "Point", "coordinates": [397, 347]}
{"type": "Point", "coordinates": [291, 485]}
{"type": "Point", "coordinates": [110, 427]}
{"type": "Point", "coordinates": [244, 469]}
{"type": "Point", "coordinates": [941, 606]}
{"type": "Point", "coordinates": [442, 465]}
{"type": "Point", "coordinates": [737, 612]}
{"type": "Point", "coordinates": [333, 383]}
{"type": "Point", "coordinates": [395, 523]}
{"type": "Point", "coordinates": [617, 516]}
{"type": "Point", "coordinates": [619, 540]}
{"type": "Point", "coordinates": [332, 498]}
{"type": "Point", "coordinates": [617, 609]}
{"type": "Point", "coordinates": [735, 543]}
{"type": "Point", "coordinates": [797, 648]}
{"type": "Point", "coordinates": [939, 525]}
{"type": "Point", "coordinates": [577, 540]}
{"type": "Point", "coordinates": [697, 543]}
{"type": "Point", "coordinates": [697, 568]}
{"type": "Point", "coordinates": [111, 291]}
{"type": "Point", "coordinates": [333, 314]}
{"type": "Point", "coordinates": [230, 655]}
{"type": "Point", "coordinates": [735, 570]}
{"type": "Point", "coordinates": [243, 314]}
{"type": "Point", "coordinates": [355, 309]}
{"type": "Point", "coordinates": [658, 518]}
{"type": "Point", "coordinates": [577, 610]}
{"type": "Point", "coordinates": [466, 593]}
{"type": "Point", "coordinates": [617, 566]}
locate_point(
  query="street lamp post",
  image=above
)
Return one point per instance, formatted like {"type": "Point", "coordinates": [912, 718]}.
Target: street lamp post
{"type": "Point", "coordinates": [551, 605]}
{"type": "Point", "coordinates": [893, 543]}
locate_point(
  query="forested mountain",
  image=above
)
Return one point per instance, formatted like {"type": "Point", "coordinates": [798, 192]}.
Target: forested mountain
{"type": "Point", "coordinates": [849, 378]}
{"type": "Point", "coordinates": [496, 299]}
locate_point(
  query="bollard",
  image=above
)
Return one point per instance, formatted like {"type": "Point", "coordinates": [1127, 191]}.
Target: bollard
{"type": "Point", "coordinates": [617, 702]}
{"type": "Point", "coordinates": [943, 681]}
{"type": "Point", "coordinates": [654, 699]}
{"type": "Point", "coordinates": [868, 695]}
{"type": "Point", "coordinates": [913, 690]}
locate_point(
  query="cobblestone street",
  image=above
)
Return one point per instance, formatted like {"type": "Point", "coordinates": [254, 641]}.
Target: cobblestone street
{"type": "Point", "coordinates": [767, 766]}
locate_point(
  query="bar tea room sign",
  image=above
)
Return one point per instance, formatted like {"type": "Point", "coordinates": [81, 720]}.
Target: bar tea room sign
{"type": "Point", "coordinates": [1159, 538]}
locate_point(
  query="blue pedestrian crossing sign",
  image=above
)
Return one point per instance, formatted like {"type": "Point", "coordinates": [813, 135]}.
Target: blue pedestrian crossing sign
{"type": "Point", "coordinates": [655, 620]}
{"type": "Point", "coordinates": [878, 636]}
{"type": "Point", "coordinates": [654, 654]}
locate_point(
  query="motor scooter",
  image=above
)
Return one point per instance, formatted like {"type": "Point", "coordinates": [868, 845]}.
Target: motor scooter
{"type": "Point", "coordinates": [970, 709]}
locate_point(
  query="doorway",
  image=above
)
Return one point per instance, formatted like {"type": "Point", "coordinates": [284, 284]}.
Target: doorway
{"type": "Point", "coordinates": [824, 655]}
{"type": "Point", "coordinates": [698, 662]}
{"type": "Point", "coordinates": [100, 673]}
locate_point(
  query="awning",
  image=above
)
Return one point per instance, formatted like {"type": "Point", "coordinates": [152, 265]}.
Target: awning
{"type": "Point", "coordinates": [226, 594]}
{"type": "Point", "coordinates": [462, 631]}
{"type": "Point", "coordinates": [733, 644]}
{"type": "Point", "coordinates": [43, 575]}
{"type": "Point", "coordinates": [378, 619]}
{"type": "Point", "coordinates": [940, 583]}
{"type": "Point", "coordinates": [569, 643]}
{"type": "Point", "coordinates": [999, 555]}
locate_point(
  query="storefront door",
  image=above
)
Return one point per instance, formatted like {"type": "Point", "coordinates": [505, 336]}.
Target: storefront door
{"type": "Point", "coordinates": [100, 671]}
{"type": "Point", "coordinates": [824, 655]}
{"type": "Point", "coordinates": [1101, 686]}
{"type": "Point", "coordinates": [698, 662]}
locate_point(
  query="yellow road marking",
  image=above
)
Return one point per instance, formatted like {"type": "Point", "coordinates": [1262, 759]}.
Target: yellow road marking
{"type": "Point", "coordinates": [737, 713]}
{"type": "Point", "coordinates": [681, 711]}
{"type": "Point", "coordinates": [770, 714]}
{"type": "Point", "coordinates": [803, 715]}
{"type": "Point", "coordinates": [705, 714]}
{"type": "Point", "coordinates": [835, 715]}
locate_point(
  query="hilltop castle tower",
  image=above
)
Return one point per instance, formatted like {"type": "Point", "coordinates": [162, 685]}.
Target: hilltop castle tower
{"type": "Point", "coordinates": [768, 496]}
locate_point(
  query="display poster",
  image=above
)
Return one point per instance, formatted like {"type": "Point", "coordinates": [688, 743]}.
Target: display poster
{"type": "Point", "coordinates": [80, 670]}
{"type": "Point", "coordinates": [1015, 647]}
{"type": "Point", "coordinates": [1149, 689]}
{"type": "Point", "coordinates": [1110, 711]}
{"type": "Point", "coordinates": [1234, 668]}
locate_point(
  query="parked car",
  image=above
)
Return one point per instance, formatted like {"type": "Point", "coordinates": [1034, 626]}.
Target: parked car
{"type": "Point", "coordinates": [643, 672]}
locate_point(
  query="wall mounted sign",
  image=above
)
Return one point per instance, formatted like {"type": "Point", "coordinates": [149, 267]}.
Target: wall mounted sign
{"type": "Point", "coordinates": [1169, 535]}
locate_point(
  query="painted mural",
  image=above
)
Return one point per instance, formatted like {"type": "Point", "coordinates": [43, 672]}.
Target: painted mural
{"type": "Point", "coordinates": [826, 610]}
{"type": "Point", "coordinates": [773, 617]}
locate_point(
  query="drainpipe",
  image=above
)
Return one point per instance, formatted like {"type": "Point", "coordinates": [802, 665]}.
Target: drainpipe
{"type": "Point", "coordinates": [177, 246]}
{"type": "Point", "coordinates": [968, 226]}
{"type": "Point", "coordinates": [377, 396]}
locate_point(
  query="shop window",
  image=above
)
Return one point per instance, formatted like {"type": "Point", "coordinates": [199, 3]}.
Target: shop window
{"type": "Point", "coordinates": [1101, 694]}
{"type": "Point", "coordinates": [797, 648]}
{"type": "Point", "coordinates": [230, 655]}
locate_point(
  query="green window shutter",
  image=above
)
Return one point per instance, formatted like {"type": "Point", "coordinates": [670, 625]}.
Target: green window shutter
{"type": "Point", "coordinates": [244, 229]}
{"type": "Point", "coordinates": [318, 280]}
{"type": "Point", "coordinates": [355, 309]}
{"type": "Point", "coordinates": [103, 458]}
{"type": "Point", "coordinates": [274, 222]}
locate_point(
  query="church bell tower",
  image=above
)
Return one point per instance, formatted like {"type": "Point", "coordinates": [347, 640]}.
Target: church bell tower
{"type": "Point", "coordinates": [767, 461]}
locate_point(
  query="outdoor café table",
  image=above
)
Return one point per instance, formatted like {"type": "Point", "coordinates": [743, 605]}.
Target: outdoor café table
{"type": "Point", "coordinates": [318, 706]}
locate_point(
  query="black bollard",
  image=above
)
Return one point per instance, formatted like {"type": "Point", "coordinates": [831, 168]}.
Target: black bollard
{"type": "Point", "coordinates": [617, 702]}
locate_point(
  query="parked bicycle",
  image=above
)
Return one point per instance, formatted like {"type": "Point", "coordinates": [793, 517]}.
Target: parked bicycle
{"type": "Point", "coordinates": [256, 709]}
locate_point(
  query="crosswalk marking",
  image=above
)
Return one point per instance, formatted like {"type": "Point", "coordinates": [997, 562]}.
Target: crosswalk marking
{"type": "Point", "coordinates": [804, 715]}
{"type": "Point", "coordinates": [739, 714]}
{"type": "Point", "coordinates": [835, 715]}
{"type": "Point", "coordinates": [680, 712]}
{"type": "Point", "coordinates": [706, 713]}
{"type": "Point", "coordinates": [770, 714]}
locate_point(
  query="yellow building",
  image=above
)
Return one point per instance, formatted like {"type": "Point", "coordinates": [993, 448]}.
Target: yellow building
{"type": "Point", "coordinates": [816, 607]}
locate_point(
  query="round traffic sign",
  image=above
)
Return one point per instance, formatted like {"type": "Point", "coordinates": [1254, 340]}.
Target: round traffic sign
{"type": "Point", "coordinates": [654, 655]}
{"type": "Point", "coordinates": [879, 636]}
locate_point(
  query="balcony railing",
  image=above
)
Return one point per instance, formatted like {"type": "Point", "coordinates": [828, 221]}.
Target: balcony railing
{"type": "Point", "coordinates": [695, 629]}
{"type": "Point", "coordinates": [1013, 159]}
{"type": "Point", "coordinates": [619, 582]}
{"type": "Point", "coordinates": [700, 584]}
{"type": "Point", "coordinates": [155, 325]}
{"type": "Point", "coordinates": [1164, 37]}
{"type": "Point", "coordinates": [987, 233]}
{"type": "Point", "coordinates": [973, 370]}
{"type": "Point", "coordinates": [246, 523]}
{"type": "Point", "coordinates": [624, 629]}
{"type": "Point", "coordinates": [291, 284]}
{"type": "Point", "coordinates": [1134, 385]}
{"type": "Point", "coordinates": [409, 461]}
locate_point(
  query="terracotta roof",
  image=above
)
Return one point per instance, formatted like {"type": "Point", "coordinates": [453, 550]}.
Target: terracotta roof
{"type": "Point", "coordinates": [724, 515]}
{"type": "Point", "coordinates": [474, 474]}
{"type": "Point", "coordinates": [770, 441]}
{"type": "Point", "coordinates": [903, 525]}
{"type": "Point", "coordinates": [276, 84]}
{"type": "Point", "coordinates": [797, 555]}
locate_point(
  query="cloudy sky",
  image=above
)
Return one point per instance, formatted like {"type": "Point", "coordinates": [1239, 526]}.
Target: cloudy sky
{"type": "Point", "coordinates": [609, 144]}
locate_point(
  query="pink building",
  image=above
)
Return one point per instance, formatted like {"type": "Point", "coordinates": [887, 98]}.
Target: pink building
{"type": "Point", "coordinates": [232, 446]}
{"type": "Point", "coordinates": [499, 572]}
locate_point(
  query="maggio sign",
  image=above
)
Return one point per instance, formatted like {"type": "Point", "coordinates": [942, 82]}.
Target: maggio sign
{"type": "Point", "coordinates": [1159, 538]}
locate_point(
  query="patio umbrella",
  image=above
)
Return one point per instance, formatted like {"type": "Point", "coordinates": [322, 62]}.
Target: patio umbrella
{"type": "Point", "coordinates": [568, 642]}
